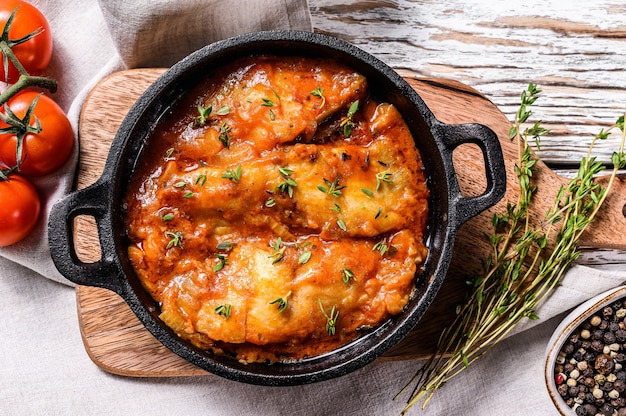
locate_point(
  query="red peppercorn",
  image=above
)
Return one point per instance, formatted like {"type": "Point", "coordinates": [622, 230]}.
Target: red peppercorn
{"type": "Point", "coordinates": [559, 378]}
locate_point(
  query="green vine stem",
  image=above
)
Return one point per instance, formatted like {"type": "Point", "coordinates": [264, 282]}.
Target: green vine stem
{"type": "Point", "coordinates": [25, 80]}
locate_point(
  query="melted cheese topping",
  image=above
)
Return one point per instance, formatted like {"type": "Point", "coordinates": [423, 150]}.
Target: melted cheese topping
{"type": "Point", "coordinates": [266, 231]}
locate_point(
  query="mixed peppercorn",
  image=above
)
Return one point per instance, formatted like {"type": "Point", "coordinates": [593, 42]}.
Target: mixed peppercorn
{"type": "Point", "coordinates": [590, 371]}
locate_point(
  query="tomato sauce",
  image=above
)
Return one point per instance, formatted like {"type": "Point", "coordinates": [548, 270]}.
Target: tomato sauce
{"type": "Point", "coordinates": [280, 212]}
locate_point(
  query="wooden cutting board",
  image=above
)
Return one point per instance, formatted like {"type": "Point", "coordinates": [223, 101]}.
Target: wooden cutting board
{"type": "Point", "coordinates": [118, 343]}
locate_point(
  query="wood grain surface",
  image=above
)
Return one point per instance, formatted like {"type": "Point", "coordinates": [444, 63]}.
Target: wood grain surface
{"type": "Point", "coordinates": [574, 50]}
{"type": "Point", "coordinates": [117, 342]}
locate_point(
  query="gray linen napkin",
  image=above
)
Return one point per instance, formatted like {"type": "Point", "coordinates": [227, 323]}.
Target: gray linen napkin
{"type": "Point", "coordinates": [166, 31]}
{"type": "Point", "coordinates": [141, 33]}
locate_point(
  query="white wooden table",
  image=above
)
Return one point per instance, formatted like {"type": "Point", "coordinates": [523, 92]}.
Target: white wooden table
{"type": "Point", "coordinates": [575, 50]}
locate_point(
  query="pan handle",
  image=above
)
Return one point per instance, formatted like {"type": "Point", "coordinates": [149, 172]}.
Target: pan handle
{"type": "Point", "coordinates": [90, 201]}
{"type": "Point", "coordinates": [488, 142]}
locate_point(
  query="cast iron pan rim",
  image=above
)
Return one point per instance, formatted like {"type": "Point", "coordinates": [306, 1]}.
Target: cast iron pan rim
{"type": "Point", "coordinates": [383, 337]}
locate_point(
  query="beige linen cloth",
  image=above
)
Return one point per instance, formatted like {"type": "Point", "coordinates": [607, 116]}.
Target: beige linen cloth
{"type": "Point", "coordinates": [44, 369]}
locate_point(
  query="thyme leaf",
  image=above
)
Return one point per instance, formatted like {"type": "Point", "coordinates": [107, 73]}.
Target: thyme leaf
{"type": "Point", "coordinates": [200, 179]}
{"type": "Point", "coordinates": [318, 92]}
{"type": "Point", "coordinates": [224, 310]}
{"type": "Point", "coordinates": [224, 110]}
{"type": "Point", "coordinates": [223, 135]}
{"type": "Point", "coordinates": [233, 175]}
{"type": "Point", "coordinates": [304, 257]}
{"type": "Point", "coordinates": [222, 261]}
{"type": "Point", "coordinates": [225, 246]}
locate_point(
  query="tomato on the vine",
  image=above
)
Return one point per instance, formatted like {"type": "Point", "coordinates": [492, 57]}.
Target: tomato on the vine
{"type": "Point", "coordinates": [19, 209]}
{"type": "Point", "coordinates": [35, 53]}
{"type": "Point", "coordinates": [44, 151]}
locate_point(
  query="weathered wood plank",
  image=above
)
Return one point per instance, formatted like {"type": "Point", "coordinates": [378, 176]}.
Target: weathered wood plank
{"type": "Point", "coordinates": [575, 51]}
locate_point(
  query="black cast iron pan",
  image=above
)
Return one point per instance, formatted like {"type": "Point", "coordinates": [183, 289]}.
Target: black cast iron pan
{"type": "Point", "coordinates": [434, 140]}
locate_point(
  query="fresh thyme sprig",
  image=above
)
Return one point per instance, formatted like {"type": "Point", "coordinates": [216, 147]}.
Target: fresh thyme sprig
{"type": "Point", "coordinates": [223, 135]}
{"type": "Point", "coordinates": [526, 263]}
{"type": "Point", "coordinates": [318, 92]}
{"type": "Point", "coordinates": [348, 123]}
{"type": "Point", "coordinates": [332, 188]}
{"type": "Point", "coordinates": [346, 275]}
{"type": "Point", "coordinates": [222, 258]}
{"type": "Point", "coordinates": [224, 310]}
{"type": "Point", "coordinates": [204, 112]}
{"type": "Point", "coordinates": [175, 239]}
{"type": "Point", "coordinates": [233, 175]}
{"type": "Point", "coordinates": [386, 177]}
{"type": "Point", "coordinates": [331, 318]}
{"type": "Point", "coordinates": [279, 250]}
{"type": "Point", "coordinates": [281, 303]}
{"type": "Point", "coordinates": [288, 183]}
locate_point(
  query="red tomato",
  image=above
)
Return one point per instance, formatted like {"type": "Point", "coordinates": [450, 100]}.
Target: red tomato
{"type": "Point", "coordinates": [42, 152]}
{"type": "Point", "coordinates": [35, 53]}
{"type": "Point", "coordinates": [19, 209]}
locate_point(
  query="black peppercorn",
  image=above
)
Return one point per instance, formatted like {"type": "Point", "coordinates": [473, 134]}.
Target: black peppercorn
{"type": "Point", "coordinates": [609, 337]}
{"type": "Point", "coordinates": [597, 345]}
{"type": "Point", "coordinates": [587, 410]}
{"type": "Point", "coordinates": [604, 364]}
{"type": "Point", "coordinates": [607, 409]}
{"type": "Point", "coordinates": [589, 356]}
{"type": "Point", "coordinates": [592, 380]}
